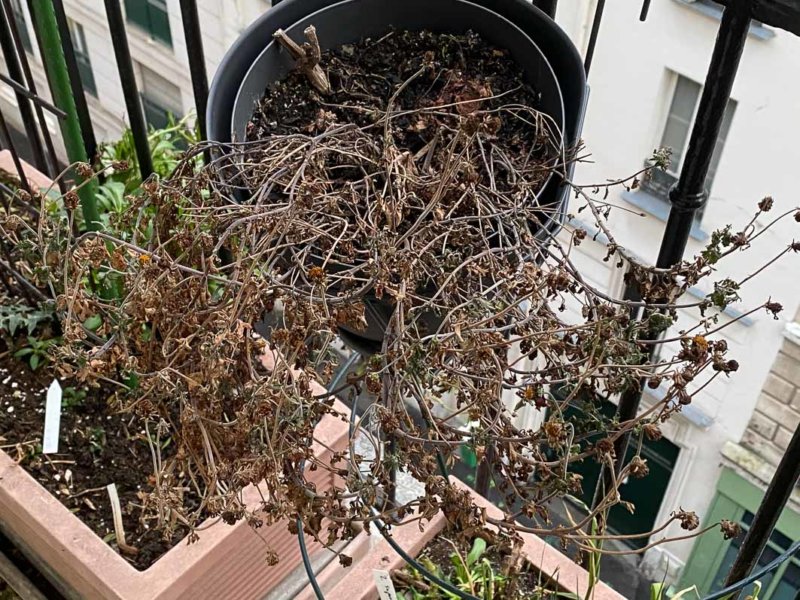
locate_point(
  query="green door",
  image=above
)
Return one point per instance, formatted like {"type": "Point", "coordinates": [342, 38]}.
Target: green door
{"type": "Point", "coordinates": [645, 494]}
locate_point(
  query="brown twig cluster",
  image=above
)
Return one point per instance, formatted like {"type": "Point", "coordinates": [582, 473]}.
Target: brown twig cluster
{"type": "Point", "coordinates": [450, 241]}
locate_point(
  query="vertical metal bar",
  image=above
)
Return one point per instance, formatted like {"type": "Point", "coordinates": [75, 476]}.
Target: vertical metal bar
{"type": "Point", "coordinates": [598, 17]}
{"type": "Point", "coordinates": [197, 65]}
{"type": "Point", "coordinates": [78, 93]}
{"type": "Point", "coordinates": [778, 492]}
{"type": "Point", "coordinates": [689, 194]}
{"type": "Point", "coordinates": [53, 58]}
{"type": "Point", "coordinates": [26, 69]}
{"type": "Point", "coordinates": [548, 7]}
{"type": "Point", "coordinates": [133, 103]}
{"type": "Point", "coordinates": [645, 10]}
{"type": "Point", "coordinates": [15, 72]}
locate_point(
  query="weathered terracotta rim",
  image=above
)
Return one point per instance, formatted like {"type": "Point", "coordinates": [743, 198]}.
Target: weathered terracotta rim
{"type": "Point", "coordinates": [373, 552]}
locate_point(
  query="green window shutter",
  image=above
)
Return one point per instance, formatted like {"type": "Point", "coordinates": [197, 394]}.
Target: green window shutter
{"type": "Point", "coordinates": [137, 12]}
{"type": "Point", "coordinates": [159, 21]}
{"type": "Point", "coordinates": [152, 17]}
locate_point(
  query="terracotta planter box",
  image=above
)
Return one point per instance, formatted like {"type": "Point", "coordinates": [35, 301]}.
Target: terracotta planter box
{"type": "Point", "coordinates": [226, 562]}
{"type": "Point", "coordinates": [373, 552]}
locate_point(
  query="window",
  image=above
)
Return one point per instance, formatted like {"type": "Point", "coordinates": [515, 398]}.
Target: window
{"type": "Point", "coordinates": [737, 500]}
{"type": "Point", "coordinates": [82, 56]}
{"type": "Point", "coordinates": [646, 494]}
{"type": "Point", "coordinates": [714, 9]}
{"type": "Point", "coordinates": [22, 25]}
{"type": "Point", "coordinates": [676, 133]}
{"type": "Point", "coordinates": [780, 584]}
{"type": "Point", "coordinates": [160, 98]}
{"type": "Point", "coordinates": [152, 16]}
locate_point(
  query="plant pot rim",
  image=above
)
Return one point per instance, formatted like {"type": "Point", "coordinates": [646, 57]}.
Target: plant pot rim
{"type": "Point", "coordinates": [372, 552]}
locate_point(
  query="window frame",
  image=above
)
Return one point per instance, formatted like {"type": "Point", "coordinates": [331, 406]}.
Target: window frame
{"type": "Point", "coordinates": [21, 19]}
{"type": "Point", "coordinates": [656, 191]}
{"type": "Point", "coordinates": [147, 26]}
{"type": "Point", "coordinates": [83, 57]}
{"type": "Point", "coordinates": [149, 102]}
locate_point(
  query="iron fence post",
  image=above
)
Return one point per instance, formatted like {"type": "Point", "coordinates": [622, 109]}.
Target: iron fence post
{"type": "Point", "coordinates": [598, 18]}
{"type": "Point", "coordinates": [133, 103]}
{"type": "Point", "coordinates": [15, 73]}
{"type": "Point", "coordinates": [765, 519]}
{"type": "Point", "coordinates": [689, 193]}
{"type": "Point", "coordinates": [197, 66]}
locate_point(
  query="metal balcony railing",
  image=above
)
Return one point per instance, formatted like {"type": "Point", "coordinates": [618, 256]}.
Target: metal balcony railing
{"type": "Point", "coordinates": [687, 193]}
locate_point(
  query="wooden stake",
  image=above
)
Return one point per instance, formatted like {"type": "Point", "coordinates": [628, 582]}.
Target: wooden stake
{"type": "Point", "coordinates": [307, 56]}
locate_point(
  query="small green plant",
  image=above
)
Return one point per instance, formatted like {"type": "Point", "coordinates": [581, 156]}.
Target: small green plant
{"type": "Point", "coordinates": [472, 573]}
{"type": "Point", "coordinates": [18, 317]}
{"type": "Point", "coordinates": [36, 352]}
{"type": "Point", "coordinates": [97, 440]}
{"type": "Point", "coordinates": [72, 397]}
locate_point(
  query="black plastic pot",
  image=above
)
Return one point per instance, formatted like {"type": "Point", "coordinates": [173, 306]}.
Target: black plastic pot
{"type": "Point", "coordinates": [550, 62]}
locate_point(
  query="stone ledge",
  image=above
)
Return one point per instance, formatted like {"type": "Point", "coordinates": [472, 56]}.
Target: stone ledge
{"type": "Point", "coordinates": [755, 469]}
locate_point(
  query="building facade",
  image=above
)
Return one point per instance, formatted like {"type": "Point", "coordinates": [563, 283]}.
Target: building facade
{"type": "Point", "coordinates": [158, 49]}
{"type": "Point", "coordinates": [645, 84]}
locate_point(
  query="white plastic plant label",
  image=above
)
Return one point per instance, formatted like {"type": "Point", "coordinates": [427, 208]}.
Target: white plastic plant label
{"type": "Point", "coordinates": [52, 419]}
{"type": "Point", "coordinates": [385, 586]}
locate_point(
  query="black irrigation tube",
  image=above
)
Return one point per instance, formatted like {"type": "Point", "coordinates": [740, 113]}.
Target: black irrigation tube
{"type": "Point", "coordinates": [334, 383]}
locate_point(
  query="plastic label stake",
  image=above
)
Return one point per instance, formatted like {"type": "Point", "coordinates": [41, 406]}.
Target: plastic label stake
{"type": "Point", "coordinates": [385, 586]}
{"type": "Point", "coordinates": [52, 419]}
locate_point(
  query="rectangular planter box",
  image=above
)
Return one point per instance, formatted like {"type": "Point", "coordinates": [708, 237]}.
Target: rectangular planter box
{"type": "Point", "coordinates": [226, 562]}
{"type": "Point", "coordinates": [371, 552]}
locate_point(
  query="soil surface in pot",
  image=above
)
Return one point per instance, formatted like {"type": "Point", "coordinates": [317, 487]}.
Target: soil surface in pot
{"type": "Point", "coordinates": [97, 446]}
{"type": "Point", "coordinates": [455, 111]}
{"type": "Point", "coordinates": [513, 578]}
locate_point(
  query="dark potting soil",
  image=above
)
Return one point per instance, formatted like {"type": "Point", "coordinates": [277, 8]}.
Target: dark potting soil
{"type": "Point", "coordinates": [97, 447]}
{"type": "Point", "coordinates": [365, 76]}
{"type": "Point", "coordinates": [528, 583]}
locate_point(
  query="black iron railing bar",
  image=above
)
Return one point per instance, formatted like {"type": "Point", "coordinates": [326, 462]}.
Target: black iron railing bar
{"type": "Point", "coordinates": [598, 18]}
{"type": "Point", "coordinates": [766, 517]}
{"type": "Point", "coordinates": [689, 193]}
{"type": "Point", "coordinates": [52, 157]}
{"type": "Point", "coordinates": [33, 97]}
{"type": "Point", "coordinates": [8, 142]}
{"type": "Point", "coordinates": [737, 587]}
{"type": "Point", "coordinates": [133, 103]}
{"type": "Point", "coordinates": [15, 73]}
{"type": "Point", "coordinates": [197, 66]}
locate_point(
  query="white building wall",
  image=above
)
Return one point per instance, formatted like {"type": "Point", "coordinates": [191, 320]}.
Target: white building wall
{"type": "Point", "coordinates": [629, 99]}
